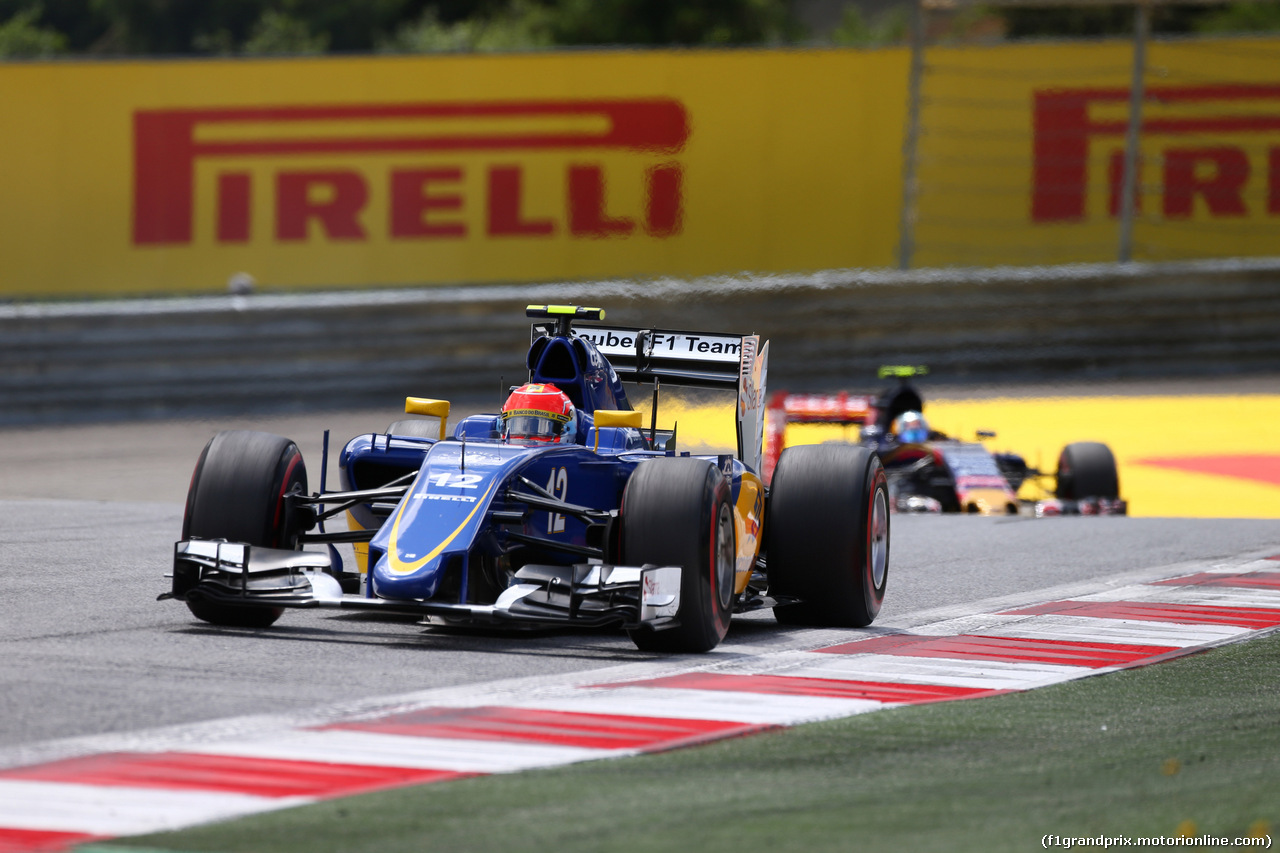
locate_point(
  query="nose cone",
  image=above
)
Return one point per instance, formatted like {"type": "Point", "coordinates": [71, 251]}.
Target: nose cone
{"type": "Point", "coordinates": [439, 517]}
{"type": "Point", "coordinates": [431, 525]}
{"type": "Point", "coordinates": [420, 582]}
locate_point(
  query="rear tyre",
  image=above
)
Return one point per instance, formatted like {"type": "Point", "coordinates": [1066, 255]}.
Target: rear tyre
{"type": "Point", "coordinates": [827, 535]}
{"type": "Point", "coordinates": [1087, 469]}
{"type": "Point", "coordinates": [237, 493]}
{"type": "Point", "coordinates": [678, 512]}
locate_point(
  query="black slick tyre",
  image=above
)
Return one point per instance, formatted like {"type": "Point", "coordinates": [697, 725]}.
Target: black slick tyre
{"type": "Point", "coordinates": [237, 493]}
{"type": "Point", "coordinates": [678, 512]}
{"type": "Point", "coordinates": [827, 535]}
{"type": "Point", "coordinates": [1087, 469]}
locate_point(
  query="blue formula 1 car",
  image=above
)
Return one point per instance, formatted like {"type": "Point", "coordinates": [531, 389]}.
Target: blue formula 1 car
{"type": "Point", "coordinates": [569, 507]}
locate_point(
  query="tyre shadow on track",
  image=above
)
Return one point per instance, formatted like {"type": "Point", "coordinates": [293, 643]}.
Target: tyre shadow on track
{"type": "Point", "coordinates": [591, 643]}
{"type": "Point", "coordinates": [563, 644]}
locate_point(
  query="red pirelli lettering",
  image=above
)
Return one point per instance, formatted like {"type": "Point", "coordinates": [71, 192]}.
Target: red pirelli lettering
{"type": "Point", "coordinates": [663, 216]}
{"type": "Point", "coordinates": [167, 146]}
{"type": "Point", "coordinates": [587, 216]}
{"type": "Point", "coordinates": [506, 206]}
{"type": "Point", "coordinates": [234, 207]}
{"type": "Point", "coordinates": [413, 203]}
{"type": "Point", "coordinates": [1222, 188]}
{"type": "Point", "coordinates": [1063, 129]}
{"type": "Point", "coordinates": [334, 199]}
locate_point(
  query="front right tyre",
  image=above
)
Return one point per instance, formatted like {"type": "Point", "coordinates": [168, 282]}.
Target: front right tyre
{"type": "Point", "coordinates": [1087, 469]}
{"type": "Point", "coordinates": [238, 493]}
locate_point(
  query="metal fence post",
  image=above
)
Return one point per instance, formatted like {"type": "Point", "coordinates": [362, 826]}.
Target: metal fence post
{"type": "Point", "coordinates": [907, 220]}
{"type": "Point", "coordinates": [1133, 135]}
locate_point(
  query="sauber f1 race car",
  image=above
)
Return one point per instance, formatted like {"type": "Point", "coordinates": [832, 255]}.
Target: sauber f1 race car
{"type": "Point", "coordinates": [929, 471]}
{"type": "Point", "coordinates": [569, 507]}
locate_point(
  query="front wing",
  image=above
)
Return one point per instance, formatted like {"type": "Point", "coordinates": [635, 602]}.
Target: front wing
{"type": "Point", "coordinates": [1085, 506]}
{"type": "Point", "coordinates": [582, 595]}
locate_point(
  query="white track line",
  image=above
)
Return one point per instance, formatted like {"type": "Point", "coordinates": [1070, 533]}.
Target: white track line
{"type": "Point", "coordinates": [385, 750]}
{"type": "Point", "coordinates": [101, 810]}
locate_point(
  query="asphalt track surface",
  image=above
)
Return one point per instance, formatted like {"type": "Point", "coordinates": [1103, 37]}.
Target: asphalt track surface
{"type": "Point", "coordinates": [89, 515]}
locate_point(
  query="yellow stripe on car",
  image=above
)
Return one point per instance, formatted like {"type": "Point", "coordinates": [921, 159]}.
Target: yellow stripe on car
{"type": "Point", "coordinates": [399, 566]}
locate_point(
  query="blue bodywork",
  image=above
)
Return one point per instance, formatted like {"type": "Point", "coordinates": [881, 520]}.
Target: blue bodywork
{"type": "Point", "coordinates": [466, 524]}
{"type": "Point", "coordinates": [470, 527]}
{"type": "Point", "coordinates": [445, 519]}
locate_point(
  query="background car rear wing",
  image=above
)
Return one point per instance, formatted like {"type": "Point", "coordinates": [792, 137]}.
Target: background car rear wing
{"type": "Point", "coordinates": [704, 359]}
{"type": "Point", "coordinates": [842, 408]}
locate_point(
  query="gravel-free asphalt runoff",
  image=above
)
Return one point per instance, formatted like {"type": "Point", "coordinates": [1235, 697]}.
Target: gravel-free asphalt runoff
{"type": "Point", "coordinates": [88, 516]}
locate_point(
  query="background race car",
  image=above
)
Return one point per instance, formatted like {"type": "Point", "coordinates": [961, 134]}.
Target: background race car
{"type": "Point", "coordinates": [569, 507]}
{"type": "Point", "coordinates": [929, 471]}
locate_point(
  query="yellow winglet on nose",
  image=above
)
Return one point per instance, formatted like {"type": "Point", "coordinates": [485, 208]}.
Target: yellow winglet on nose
{"type": "Point", "coordinates": [430, 408]}
{"type": "Point", "coordinates": [615, 418]}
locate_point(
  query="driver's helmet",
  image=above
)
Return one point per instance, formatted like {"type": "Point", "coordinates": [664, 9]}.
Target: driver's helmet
{"type": "Point", "coordinates": [910, 428]}
{"type": "Point", "coordinates": [540, 413]}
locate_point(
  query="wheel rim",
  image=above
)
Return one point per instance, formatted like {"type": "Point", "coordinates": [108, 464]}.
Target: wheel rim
{"type": "Point", "coordinates": [724, 557]}
{"type": "Point", "coordinates": [879, 538]}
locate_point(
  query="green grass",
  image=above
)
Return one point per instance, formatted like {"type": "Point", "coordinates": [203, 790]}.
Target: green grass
{"type": "Point", "coordinates": [1190, 745]}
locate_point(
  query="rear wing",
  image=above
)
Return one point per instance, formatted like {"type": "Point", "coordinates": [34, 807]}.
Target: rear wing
{"type": "Point", "coordinates": [709, 359]}
{"type": "Point", "coordinates": [704, 359]}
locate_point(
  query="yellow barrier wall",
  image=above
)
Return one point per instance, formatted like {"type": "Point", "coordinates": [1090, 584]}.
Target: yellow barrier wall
{"type": "Point", "coordinates": [171, 176]}
{"type": "Point", "coordinates": [1021, 152]}
{"type": "Point", "coordinates": [149, 177]}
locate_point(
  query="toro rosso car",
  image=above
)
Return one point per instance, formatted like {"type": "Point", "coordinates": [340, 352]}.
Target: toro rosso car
{"type": "Point", "coordinates": [929, 471]}
{"type": "Point", "coordinates": [570, 507]}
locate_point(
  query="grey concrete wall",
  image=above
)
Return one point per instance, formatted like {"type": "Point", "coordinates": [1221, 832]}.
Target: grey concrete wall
{"type": "Point", "coordinates": [294, 352]}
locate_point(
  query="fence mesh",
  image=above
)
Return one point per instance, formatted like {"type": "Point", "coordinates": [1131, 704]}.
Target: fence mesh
{"type": "Point", "coordinates": [1020, 153]}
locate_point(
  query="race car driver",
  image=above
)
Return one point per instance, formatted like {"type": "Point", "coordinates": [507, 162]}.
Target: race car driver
{"type": "Point", "coordinates": [540, 413]}
{"type": "Point", "coordinates": [910, 428]}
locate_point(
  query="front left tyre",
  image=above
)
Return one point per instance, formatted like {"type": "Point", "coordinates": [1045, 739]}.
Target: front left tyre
{"type": "Point", "coordinates": [238, 493]}
{"type": "Point", "coordinates": [677, 511]}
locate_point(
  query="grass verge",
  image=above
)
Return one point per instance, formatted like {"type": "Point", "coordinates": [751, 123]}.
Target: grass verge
{"type": "Point", "coordinates": [1191, 746]}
